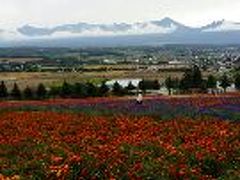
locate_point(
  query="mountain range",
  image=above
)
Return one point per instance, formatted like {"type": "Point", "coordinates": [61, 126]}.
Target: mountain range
{"type": "Point", "coordinates": [165, 31]}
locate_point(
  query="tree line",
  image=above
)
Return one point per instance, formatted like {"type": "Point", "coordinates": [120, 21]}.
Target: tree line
{"type": "Point", "coordinates": [77, 90]}
{"type": "Point", "coordinates": [27, 93]}
{"type": "Point", "coordinates": [192, 81]}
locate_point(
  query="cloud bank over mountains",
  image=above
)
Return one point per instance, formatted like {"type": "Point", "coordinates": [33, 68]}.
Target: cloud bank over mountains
{"type": "Point", "coordinates": [167, 30]}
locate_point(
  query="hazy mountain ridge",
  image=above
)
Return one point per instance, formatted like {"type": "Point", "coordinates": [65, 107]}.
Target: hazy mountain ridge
{"type": "Point", "coordinates": [163, 31]}
{"type": "Point", "coordinates": [164, 26]}
{"type": "Point", "coordinates": [84, 29]}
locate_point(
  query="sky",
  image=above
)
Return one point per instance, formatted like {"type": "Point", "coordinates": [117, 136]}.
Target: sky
{"type": "Point", "coordinates": [52, 12]}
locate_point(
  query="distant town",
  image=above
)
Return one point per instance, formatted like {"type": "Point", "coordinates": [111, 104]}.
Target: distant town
{"type": "Point", "coordinates": [170, 57]}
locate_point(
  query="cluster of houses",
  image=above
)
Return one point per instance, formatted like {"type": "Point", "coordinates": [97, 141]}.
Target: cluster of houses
{"type": "Point", "coordinates": [228, 64]}
{"type": "Point", "coordinates": [16, 64]}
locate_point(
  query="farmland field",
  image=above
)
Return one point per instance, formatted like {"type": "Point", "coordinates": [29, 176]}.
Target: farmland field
{"type": "Point", "coordinates": [56, 78]}
{"type": "Point", "coordinates": [188, 137]}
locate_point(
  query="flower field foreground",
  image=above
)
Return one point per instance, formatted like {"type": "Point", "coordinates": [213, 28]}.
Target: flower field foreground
{"type": "Point", "coordinates": [225, 107]}
{"type": "Point", "coordinates": [51, 145]}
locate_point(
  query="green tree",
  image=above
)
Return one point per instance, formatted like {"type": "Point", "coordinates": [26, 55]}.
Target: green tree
{"type": "Point", "coordinates": [176, 83]}
{"type": "Point", "coordinates": [27, 93]}
{"type": "Point", "coordinates": [237, 81]}
{"type": "Point", "coordinates": [148, 84]}
{"type": "Point", "coordinates": [117, 89]}
{"type": "Point", "coordinates": [185, 82]}
{"type": "Point", "coordinates": [104, 89]}
{"type": "Point", "coordinates": [92, 90]}
{"type": "Point", "coordinates": [80, 90]}
{"type": "Point", "coordinates": [192, 79]}
{"type": "Point", "coordinates": [130, 87]}
{"type": "Point", "coordinates": [16, 93]}
{"type": "Point", "coordinates": [225, 82]}
{"type": "Point", "coordinates": [196, 79]}
{"type": "Point", "coordinates": [3, 90]}
{"type": "Point", "coordinates": [66, 90]}
{"type": "Point", "coordinates": [169, 85]}
{"type": "Point", "coordinates": [142, 85]}
{"type": "Point", "coordinates": [211, 82]}
{"type": "Point", "coordinates": [41, 91]}
{"type": "Point", "coordinates": [155, 85]}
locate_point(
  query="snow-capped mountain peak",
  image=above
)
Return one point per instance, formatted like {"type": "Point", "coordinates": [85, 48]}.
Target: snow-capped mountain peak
{"type": "Point", "coordinates": [167, 22]}
{"type": "Point", "coordinates": [222, 26]}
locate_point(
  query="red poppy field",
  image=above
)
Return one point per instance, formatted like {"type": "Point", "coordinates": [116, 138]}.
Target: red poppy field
{"type": "Point", "coordinates": [53, 144]}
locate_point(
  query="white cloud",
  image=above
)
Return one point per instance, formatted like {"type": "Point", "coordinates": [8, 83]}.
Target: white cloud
{"type": "Point", "coordinates": [52, 12]}
{"type": "Point", "coordinates": [136, 29]}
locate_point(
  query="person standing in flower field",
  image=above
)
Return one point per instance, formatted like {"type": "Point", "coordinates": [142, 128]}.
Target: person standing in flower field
{"type": "Point", "coordinates": [139, 99]}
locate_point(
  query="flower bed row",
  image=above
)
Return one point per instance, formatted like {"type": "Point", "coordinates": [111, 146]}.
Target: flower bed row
{"type": "Point", "coordinates": [224, 106]}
